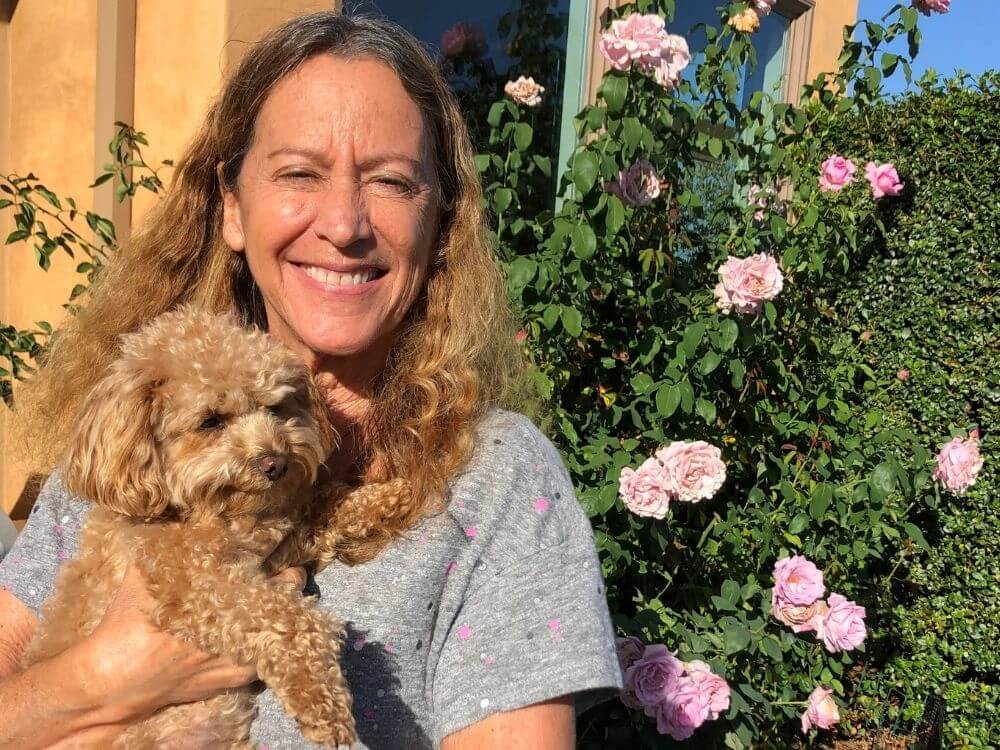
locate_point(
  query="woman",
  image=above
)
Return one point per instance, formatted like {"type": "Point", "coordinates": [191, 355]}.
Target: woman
{"type": "Point", "coordinates": [331, 197]}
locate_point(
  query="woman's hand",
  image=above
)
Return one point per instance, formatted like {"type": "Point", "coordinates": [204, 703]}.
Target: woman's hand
{"type": "Point", "coordinates": [136, 668]}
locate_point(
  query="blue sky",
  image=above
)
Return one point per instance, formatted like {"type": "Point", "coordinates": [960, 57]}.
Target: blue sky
{"type": "Point", "coordinates": [966, 37]}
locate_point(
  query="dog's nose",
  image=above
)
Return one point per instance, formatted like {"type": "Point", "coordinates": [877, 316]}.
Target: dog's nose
{"type": "Point", "coordinates": [273, 465]}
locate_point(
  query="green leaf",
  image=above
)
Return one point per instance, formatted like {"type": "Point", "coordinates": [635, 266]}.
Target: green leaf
{"type": "Point", "coordinates": [502, 198]}
{"type": "Point", "coordinates": [614, 217]}
{"type": "Point", "coordinates": [729, 331]}
{"type": "Point", "coordinates": [572, 320]}
{"type": "Point", "coordinates": [709, 362]}
{"type": "Point", "coordinates": [522, 136]}
{"type": "Point", "coordinates": [916, 535]}
{"type": "Point", "coordinates": [584, 241]}
{"type": "Point", "coordinates": [614, 89]}
{"type": "Point", "coordinates": [585, 171]}
{"type": "Point", "coordinates": [731, 591]}
{"type": "Point", "coordinates": [667, 399]}
{"type": "Point", "coordinates": [822, 496]}
{"type": "Point", "coordinates": [737, 637]}
{"type": "Point", "coordinates": [496, 114]}
{"type": "Point", "coordinates": [550, 315]}
{"type": "Point", "coordinates": [705, 410]}
{"type": "Point", "coordinates": [715, 147]}
{"type": "Point", "coordinates": [521, 271]}
{"type": "Point", "coordinates": [772, 648]}
{"type": "Point", "coordinates": [882, 482]}
{"type": "Point", "coordinates": [693, 335]}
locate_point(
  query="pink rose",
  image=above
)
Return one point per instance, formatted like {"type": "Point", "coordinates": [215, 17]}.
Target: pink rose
{"type": "Point", "coordinates": [958, 464]}
{"type": "Point", "coordinates": [637, 38]}
{"type": "Point", "coordinates": [684, 708]}
{"type": "Point", "coordinates": [837, 173]}
{"type": "Point", "coordinates": [843, 628]}
{"type": "Point", "coordinates": [674, 57]}
{"type": "Point", "coordinates": [692, 471]}
{"type": "Point", "coordinates": [800, 618]}
{"type": "Point", "coordinates": [525, 91]}
{"type": "Point", "coordinates": [926, 6]}
{"type": "Point", "coordinates": [714, 687]}
{"type": "Point", "coordinates": [822, 712]}
{"type": "Point", "coordinates": [797, 581]}
{"type": "Point", "coordinates": [644, 491]}
{"type": "Point", "coordinates": [884, 179]}
{"type": "Point", "coordinates": [642, 40]}
{"type": "Point", "coordinates": [903, 374]}
{"type": "Point", "coordinates": [650, 677]}
{"type": "Point", "coordinates": [636, 186]}
{"type": "Point", "coordinates": [764, 6]}
{"type": "Point", "coordinates": [746, 283]}
{"type": "Point", "coordinates": [521, 335]}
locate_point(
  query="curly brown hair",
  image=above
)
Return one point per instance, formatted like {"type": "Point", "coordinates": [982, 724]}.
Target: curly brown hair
{"type": "Point", "coordinates": [456, 357]}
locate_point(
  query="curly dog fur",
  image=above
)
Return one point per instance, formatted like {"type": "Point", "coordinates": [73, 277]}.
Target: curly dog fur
{"type": "Point", "coordinates": [200, 450]}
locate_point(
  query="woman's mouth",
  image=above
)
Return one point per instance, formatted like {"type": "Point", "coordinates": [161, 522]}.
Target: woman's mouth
{"type": "Point", "coordinates": [339, 283]}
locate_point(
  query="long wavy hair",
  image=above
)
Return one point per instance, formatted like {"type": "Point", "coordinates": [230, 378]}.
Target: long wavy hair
{"type": "Point", "coordinates": [456, 356]}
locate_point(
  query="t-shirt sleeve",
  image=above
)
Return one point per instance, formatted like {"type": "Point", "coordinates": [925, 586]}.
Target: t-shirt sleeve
{"type": "Point", "coordinates": [534, 623]}
{"type": "Point", "coordinates": [48, 539]}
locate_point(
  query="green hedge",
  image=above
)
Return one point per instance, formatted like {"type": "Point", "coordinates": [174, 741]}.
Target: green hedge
{"type": "Point", "coordinates": [927, 291]}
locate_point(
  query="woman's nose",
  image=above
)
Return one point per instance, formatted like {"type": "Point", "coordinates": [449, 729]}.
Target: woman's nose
{"type": "Point", "coordinates": [342, 218]}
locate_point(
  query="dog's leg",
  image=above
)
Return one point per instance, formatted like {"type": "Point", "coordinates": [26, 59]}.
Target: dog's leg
{"type": "Point", "coordinates": [229, 608]}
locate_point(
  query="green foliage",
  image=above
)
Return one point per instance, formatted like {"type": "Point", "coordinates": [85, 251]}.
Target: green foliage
{"type": "Point", "coordinates": [52, 224]}
{"type": "Point", "coordinates": [617, 303]}
{"type": "Point", "coordinates": [927, 292]}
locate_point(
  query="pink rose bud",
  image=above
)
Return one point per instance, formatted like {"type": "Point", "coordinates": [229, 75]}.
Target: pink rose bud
{"type": "Point", "coordinates": [926, 6]}
{"type": "Point", "coordinates": [866, 335]}
{"type": "Point", "coordinates": [692, 471]}
{"type": "Point", "coordinates": [837, 173]}
{"type": "Point", "coordinates": [745, 284]}
{"type": "Point", "coordinates": [903, 374]}
{"type": "Point", "coordinates": [884, 179]}
{"type": "Point", "coordinates": [822, 711]}
{"type": "Point", "coordinates": [959, 464]}
{"type": "Point", "coordinates": [521, 335]}
{"type": "Point", "coordinates": [797, 581]}
{"type": "Point", "coordinates": [645, 491]}
{"type": "Point", "coordinates": [843, 628]}
{"type": "Point", "coordinates": [453, 40]}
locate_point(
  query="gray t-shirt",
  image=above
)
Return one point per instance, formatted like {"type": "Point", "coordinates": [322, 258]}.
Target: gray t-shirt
{"type": "Point", "coordinates": [495, 604]}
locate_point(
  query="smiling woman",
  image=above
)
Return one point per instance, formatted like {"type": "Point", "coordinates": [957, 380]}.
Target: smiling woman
{"type": "Point", "coordinates": [331, 199]}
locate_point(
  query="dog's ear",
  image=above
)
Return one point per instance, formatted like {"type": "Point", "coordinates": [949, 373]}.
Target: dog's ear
{"type": "Point", "coordinates": [112, 458]}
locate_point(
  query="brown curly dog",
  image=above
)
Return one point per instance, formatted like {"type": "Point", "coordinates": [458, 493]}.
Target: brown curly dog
{"type": "Point", "coordinates": [199, 450]}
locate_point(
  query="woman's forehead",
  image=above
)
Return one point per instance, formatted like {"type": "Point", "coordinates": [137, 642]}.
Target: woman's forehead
{"type": "Point", "coordinates": [330, 103]}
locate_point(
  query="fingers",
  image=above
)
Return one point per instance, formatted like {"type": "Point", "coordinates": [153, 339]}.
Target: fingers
{"type": "Point", "coordinates": [293, 578]}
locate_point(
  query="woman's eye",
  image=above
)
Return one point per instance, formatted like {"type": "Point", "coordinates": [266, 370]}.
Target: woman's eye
{"type": "Point", "coordinates": [211, 422]}
{"type": "Point", "coordinates": [396, 183]}
{"type": "Point", "coordinates": [298, 175]}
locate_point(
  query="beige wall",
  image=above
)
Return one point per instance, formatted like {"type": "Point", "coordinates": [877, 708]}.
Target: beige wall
{"type": "Point", "coordinates": [829, 19]}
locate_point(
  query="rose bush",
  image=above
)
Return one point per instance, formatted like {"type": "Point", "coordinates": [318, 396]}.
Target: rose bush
{"type": "Point", "coordinates": [659, 313]}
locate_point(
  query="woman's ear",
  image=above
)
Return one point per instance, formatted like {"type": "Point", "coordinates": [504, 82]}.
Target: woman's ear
{"type": "Point", "coordinates": [232, 222]}
{"type": "Point", "coordinates": [112, 458]}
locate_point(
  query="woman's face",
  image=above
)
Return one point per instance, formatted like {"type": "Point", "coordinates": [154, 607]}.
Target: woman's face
{"type": "Point", "coordinates": [336, 207]}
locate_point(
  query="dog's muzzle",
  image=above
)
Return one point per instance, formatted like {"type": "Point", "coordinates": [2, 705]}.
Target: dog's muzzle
{"type": "Point", "coordinates": [272, 465]}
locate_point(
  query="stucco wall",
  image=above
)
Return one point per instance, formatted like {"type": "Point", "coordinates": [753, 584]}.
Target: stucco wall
{"type": "Point", "coordinates": [829, 19]}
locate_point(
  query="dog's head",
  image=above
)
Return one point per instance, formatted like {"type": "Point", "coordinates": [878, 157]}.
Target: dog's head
{"type": "Point", "coordinates": [198, 415]}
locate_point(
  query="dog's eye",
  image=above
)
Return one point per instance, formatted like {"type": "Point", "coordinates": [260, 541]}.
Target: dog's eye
{"type": "Point", "coordinates": [211, 422]}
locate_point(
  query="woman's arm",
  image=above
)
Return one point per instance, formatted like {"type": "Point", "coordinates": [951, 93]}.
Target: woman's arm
{"type": "Point", "coordinates": [124, 671]}
{"type": "Point", "coordinates": [549, 725]}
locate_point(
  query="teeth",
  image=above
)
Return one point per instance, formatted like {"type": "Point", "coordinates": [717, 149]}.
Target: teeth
{"type": "Point", "coordinates": [340, 279]}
